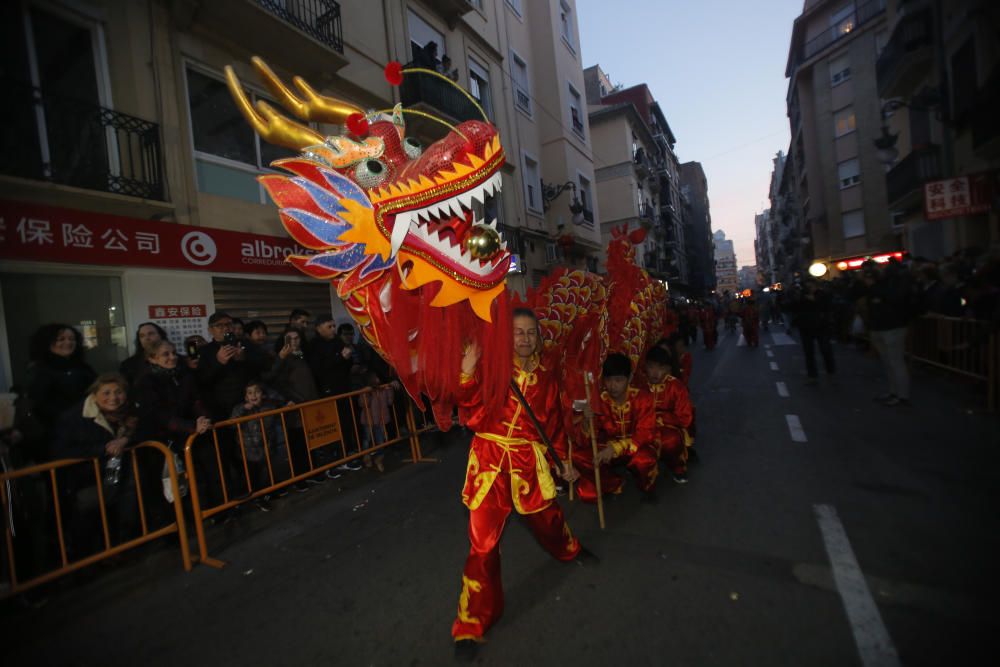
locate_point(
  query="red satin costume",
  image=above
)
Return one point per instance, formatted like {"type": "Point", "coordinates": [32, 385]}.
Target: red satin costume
{"type": "Point", "coordinates": [674, 416]}
{"type": "Point", "coordinates": [508, 469]}
{"type": "Point", "coordinates": [631, 429]}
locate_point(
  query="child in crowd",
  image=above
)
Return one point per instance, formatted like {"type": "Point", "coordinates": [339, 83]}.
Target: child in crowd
{"type": "Point", "coordinates": [254, 431]}
{"type": "Point", "coordinates": [376, 413]}
{"type": "Point", "coordinates": [673, 411]}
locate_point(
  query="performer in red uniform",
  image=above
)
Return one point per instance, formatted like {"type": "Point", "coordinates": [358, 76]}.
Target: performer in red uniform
{"type": "Point", "coordinates": [626, 429]}
{"type": "Point", "coordinates": [673, 410]}
{"type": "Point", "coordinates": [709, 325]}
{"type": "Point", "coordinates": [508, 469]}
{"type": "Point", "coordinates": [750, 316]}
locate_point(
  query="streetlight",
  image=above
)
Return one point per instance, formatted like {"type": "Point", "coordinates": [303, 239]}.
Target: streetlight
{"type": "Point", "coordinates": [550, 192]}
{"type": "Point", "coordinates": [817, 269]}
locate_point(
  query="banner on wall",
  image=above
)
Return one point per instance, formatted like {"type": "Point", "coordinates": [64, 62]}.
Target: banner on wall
{"type": "Point", "coordinates": [180, 321]}
{"type": "Point", "coordinates": [34, 232]}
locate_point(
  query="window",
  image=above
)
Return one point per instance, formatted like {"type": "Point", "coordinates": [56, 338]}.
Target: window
{"type": "Point", "coordinates": [576, 110]}
{"type": "Point", "coordinates": [426, 43]}
{"type": "Point", "coordinates": [532, 185]}
{"type": "Point", "coordinates": [478, 4]}
{"type": "Point", "coordinates": [840, 70]}
{"type": "Point", "coordinates": [849, 173]}
{"type": "Point", "coordinates": [842, 21]}
{"type": "Point", "coordinates": [854, 223]}
{"type": "Point", "coordinates": [566, 22]}
{"type": "Point", "coordinates": [516, 6]}
{"type": "Point", "coordinates": [843, 122]}
{"type": "Point", "coordinates": [228, 153]}
{"type": "Point", "coordinates": [587, 199]}
{"type": "Point", "coordinates": [479, 86]}
{"type": "Point", "coordinates": [519, 73]}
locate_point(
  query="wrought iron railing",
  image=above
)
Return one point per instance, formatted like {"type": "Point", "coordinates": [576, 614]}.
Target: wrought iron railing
{"type": "Point", "coordinates": [436, 93]}
{"type": "Point", "coordinates": [320, 19]}
{"type": "Point", "coordinates": [909, 174]}
{"type": "Point", "coordinates": [78, 143]}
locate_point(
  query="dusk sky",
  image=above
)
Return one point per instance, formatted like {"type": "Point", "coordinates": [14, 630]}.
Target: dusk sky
{"type": "Point", "coordinates": [717, 68]}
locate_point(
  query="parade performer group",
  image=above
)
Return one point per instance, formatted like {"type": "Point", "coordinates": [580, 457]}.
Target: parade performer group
{"type": "Point", "coordinates": [392, 224]}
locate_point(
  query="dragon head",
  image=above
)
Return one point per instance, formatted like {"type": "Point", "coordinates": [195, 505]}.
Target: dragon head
{"type": "Point", "coordinates": [376, 199]}
{"type": "Point", "coordinates": [400, 229]}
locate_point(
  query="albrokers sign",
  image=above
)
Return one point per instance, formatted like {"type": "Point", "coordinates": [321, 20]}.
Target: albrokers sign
{"type": "Point", "coordinates": [33, 232]}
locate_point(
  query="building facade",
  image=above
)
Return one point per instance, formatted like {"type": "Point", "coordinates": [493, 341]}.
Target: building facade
{"type": "Point", "coordinates": [726, 278]}
{"type": "Point", "coordinates": [697, 217]}
{"type": "Point", "coordinates": [637, 173]}
{"type": "Point", "coordinates": [128, 178]}
{"type": "Point", "coordinates": [939, 82]}
{"type": "Point", "coordinates": [838, 181]}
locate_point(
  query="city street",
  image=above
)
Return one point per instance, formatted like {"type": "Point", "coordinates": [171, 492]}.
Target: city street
{"type": "Point", "coordinates": [751, 563]}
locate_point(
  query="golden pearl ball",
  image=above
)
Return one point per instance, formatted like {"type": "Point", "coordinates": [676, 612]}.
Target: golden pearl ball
{"type": "Point", "coordinates": [482, 242]}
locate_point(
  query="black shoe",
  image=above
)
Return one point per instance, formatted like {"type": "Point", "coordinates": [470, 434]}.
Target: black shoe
{"type": "Point", "coordinates": [466, 650]}
{"type": "Point", "coordinates": [300, 487]}
{"type": "Point", "coordinates": [333, 473]}
{"type": "Point", "coordinates": [352, 466]}
{"type": "Point", "coordinates": [264, 504]}
{"type": "Point", "coordinates": [315, 481]}
{"type": "Point", "coordinates": [586, 558]}
{"type": "Point", "coordinates": [680, 477]}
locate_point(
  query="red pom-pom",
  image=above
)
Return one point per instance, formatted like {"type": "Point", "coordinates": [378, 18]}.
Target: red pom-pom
{"type": "Point", "coordinates": [394, 73]}
{"type": "Point", "coordinates": [357, 124]}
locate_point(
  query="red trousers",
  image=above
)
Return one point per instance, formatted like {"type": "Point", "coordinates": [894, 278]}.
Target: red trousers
{"type": "Point", "coordinates": [642, 464]}
{"type": "Point", "coordinates": [673, 449]}
{"type": "Point", "coordinates": [481, 602]}
{"type": "Point", "coordinates": [711, 337]}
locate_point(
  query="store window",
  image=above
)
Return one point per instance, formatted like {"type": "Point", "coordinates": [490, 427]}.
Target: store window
{"type": "Point", "coordinates": [93, 305]}
{"type": "Point", "coordinates": [228, 153]}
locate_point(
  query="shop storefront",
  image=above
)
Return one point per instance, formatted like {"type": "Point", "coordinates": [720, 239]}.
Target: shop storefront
{"type": "Point", "coordinates": [105, 274]}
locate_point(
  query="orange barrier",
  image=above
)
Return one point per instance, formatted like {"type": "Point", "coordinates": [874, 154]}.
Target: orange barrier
{"type": "Point", "coordinates": [49, 474]}
{"type": "Point", "coordinates": [963, 346]}
{"type": "Point", "coordinates": [316, 425]}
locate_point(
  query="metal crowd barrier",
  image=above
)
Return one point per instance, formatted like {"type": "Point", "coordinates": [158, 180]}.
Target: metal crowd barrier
{"type": "Point", "coordinates": [316, 425]}
{"type": "Point", "coordinates": [963, 346]}
{"type": "Point", "coordinates": [53, 476]}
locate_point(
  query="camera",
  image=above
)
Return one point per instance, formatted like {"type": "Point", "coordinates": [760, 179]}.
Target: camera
{"type": "Point", "coordinates": [192, 349]}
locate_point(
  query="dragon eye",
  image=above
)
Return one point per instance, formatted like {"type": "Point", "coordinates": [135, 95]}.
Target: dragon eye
{"type": "Point", "coordinates": [412, 147]}
{"type": "Point", "coordinates": [369, 173]}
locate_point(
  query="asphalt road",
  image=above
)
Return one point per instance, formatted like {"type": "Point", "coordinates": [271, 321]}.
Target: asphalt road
{"type": "Point", "coordinates": [748, 564]}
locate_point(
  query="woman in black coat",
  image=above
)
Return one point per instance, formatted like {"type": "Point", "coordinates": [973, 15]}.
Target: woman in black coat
{"type": "Point", "coordinates": [58, 378]}
{"type": "Point", "coordinates": [166, 400]}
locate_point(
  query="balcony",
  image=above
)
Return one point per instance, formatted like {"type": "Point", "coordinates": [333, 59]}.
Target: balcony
{"type": "Point", "coordinates": [431, 94]}
{"type": "Point", "coordinates": [646, 211]}
{"type": "Point", "coordinates": [450, 10]}
{"type": "Point", "coordinates": [907, 56]}
{"type": "Point", "coordinates": [905, 181]}
{"type": "Point", "coordinates": [80, 144]}
{"type": "Point", "coordinates": [305, 35]}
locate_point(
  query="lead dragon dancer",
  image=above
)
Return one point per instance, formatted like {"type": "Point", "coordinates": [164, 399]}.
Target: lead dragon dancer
{"type": "Point", "coordinates": [396, 228]}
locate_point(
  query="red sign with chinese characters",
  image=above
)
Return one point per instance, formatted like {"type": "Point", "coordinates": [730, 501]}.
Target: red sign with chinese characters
{"type": "Point", "coordinates": [171, 312]}
{"type": "Point", "coordinates": [45, 233]}
{"type": "Point", "coordinates": [963, 195]}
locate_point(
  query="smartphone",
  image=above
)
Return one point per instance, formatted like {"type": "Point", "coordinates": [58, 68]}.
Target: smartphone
{"type": "Point", "coordinates": [579, 404]}
{"type": "Point", "coordinates": [192, 349]}
{"type": "Point", "coordinates": [229, 338]}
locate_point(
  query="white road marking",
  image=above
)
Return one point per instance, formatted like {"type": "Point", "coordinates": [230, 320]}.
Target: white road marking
{"type": "Point", "coordinates": [870, 635]}
{"type": "Point", "coordinates": [795, 428]}
{"type": "Point", "coordinates": [742, 341]}
{"type": "Point", "coordinates": [767, 347]}
{"type": "Point", "coordinates": [774, 365]}
{"type": "Point", "coordinates": [782, 390]}
{"type": "Point", "coordinates": [769, 353]}
{"type": "Point", "coordinates": [781, 338]}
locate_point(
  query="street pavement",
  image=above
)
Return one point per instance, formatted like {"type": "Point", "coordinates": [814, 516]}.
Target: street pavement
{"type": "Point", "coordinates": [818, 528]}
